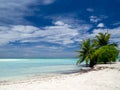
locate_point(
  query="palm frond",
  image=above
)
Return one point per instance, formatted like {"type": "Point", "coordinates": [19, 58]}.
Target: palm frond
{"type": "Point", "coordinates": [114, 44]}
{"type": "Point", "coordinates": [86, 48]}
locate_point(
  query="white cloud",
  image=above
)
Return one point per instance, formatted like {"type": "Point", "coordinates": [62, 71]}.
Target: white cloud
{"type": "Point", "coordinates": [49, 48]}
{"type": "Point", "coordinates": [61, 33]}
{"type": "Point", "coordinates": [95, 19]}
{"type": "Point", "coordinates": [100, 25]}
{"type": "Point", "coordinates": [13, 11]}
{"type": "Point", "coordinates": [59, 23]}
{"type": "Point", "coordinates": [90, 9]}
{"type": "Point", "coordinates": [46, 2]}
{"type": "Point", "coordinates": [34, 51]}
{"type": "Point", "coordinates": [24, 29]}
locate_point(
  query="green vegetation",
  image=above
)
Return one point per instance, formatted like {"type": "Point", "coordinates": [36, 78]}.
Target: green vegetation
{"type": "Point", "coordinates": [102, 39]}
{"type": "Point", "coordinates": [85, 52]}
{"type": "Point", "coordinates": [107, 54]}
{"type": "Point", "coordinates": [99, 50]}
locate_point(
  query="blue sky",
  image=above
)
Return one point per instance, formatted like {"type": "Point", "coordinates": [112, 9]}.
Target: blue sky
{"type": "Point", "coordinates": [54, 28]}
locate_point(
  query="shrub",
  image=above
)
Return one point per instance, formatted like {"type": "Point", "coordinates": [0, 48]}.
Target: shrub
{"type": "Point", "coordinates": [106, 54]}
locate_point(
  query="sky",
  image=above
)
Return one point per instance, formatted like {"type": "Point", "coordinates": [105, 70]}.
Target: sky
{"type": "Point", "coordinates": [54, 28]}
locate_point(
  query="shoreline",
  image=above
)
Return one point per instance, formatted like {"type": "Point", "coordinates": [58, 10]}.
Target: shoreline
{"type": "Point", "coordinates": [102, 76]}
{"type": "Point", "coordinates": [42, 77]}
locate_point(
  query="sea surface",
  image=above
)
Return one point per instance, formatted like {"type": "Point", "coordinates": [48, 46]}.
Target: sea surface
{"type": "Point", "coordinates": [19, 68]}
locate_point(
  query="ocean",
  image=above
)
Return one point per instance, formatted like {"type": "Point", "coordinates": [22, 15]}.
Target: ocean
{"type": "Point", "coordinates": [21, 68]}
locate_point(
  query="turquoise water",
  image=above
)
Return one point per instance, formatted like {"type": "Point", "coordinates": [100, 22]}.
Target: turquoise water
{"type": "Point", "coordinates": [11, 68]}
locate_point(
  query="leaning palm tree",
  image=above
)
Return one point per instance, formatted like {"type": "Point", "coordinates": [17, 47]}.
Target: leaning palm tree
{"type": "Point", "coordinates": [95, 51]}
{"type": "Point", "coordinates": [101, 39]}
{"type": "Point", "coordinates": [85, 52]}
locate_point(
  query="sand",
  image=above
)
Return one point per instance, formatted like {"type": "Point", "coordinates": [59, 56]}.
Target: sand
{"type": "Point", "coordinates": [103, 77]}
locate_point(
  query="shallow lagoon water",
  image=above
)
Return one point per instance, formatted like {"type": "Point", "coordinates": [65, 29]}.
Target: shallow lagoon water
{"type": "Point", "coordinates": [14, 68]}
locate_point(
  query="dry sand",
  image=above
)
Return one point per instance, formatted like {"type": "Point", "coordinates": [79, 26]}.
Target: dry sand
{"type": "Point", "coordinates": [103, 77]}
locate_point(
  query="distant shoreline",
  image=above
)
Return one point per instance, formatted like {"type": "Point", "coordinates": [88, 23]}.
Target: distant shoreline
{"type": "Point", "coordinates": [39, 58]}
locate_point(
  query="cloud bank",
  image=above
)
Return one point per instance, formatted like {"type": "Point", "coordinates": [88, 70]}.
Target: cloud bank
{"type": "Point", "coordinates": [61, 33]}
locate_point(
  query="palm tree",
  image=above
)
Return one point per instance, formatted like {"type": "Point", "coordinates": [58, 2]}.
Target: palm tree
{"type": "Point", "coordinates": [101, 40]}
{"type": "Point", "coordinates": [85, 52]}
{"type": "Point", "coordinates": [90, 50]}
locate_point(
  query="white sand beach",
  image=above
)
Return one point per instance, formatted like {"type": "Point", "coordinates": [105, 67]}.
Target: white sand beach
{"type": "Point", "coordinates": [105, 78]}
